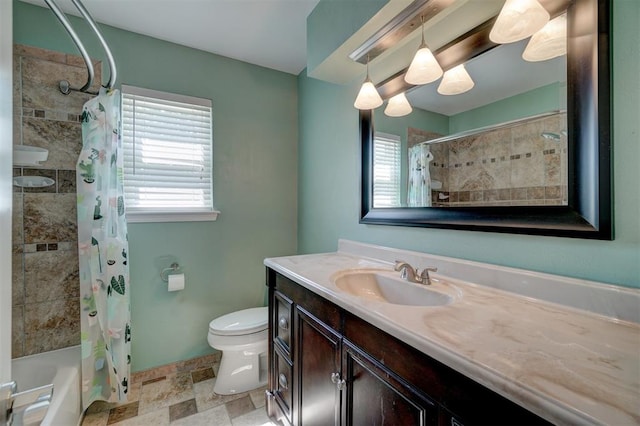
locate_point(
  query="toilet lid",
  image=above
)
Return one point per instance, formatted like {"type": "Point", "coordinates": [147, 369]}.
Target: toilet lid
{"type": "Point", "coordinates": [246, 321]}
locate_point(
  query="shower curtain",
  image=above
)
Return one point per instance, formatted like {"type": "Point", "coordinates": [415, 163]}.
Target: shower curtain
{"type": "Point", "coordinates": [102, 251]}
{"type": "Point", "coordinates": [419, 190]}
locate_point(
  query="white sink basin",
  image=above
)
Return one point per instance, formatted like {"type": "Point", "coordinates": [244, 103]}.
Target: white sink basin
{"type": "Point", "coordinates": [384, 286]}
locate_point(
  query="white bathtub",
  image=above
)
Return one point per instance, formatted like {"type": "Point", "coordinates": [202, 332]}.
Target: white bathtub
{"type": "Point", "coordinates": [60, 367]}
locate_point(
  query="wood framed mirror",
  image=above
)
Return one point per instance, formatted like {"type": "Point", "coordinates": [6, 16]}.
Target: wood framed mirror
{"type": "Point", "coordinates": [587, 208]}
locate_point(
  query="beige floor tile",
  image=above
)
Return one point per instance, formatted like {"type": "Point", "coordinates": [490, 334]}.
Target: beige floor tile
{"type": "Point", "coordinates": [206, 398]}
{"type": "Point", "coordinates": [182, 409]}
{"type": "Point", "coordinates": [155, 418]}
{"type": "Point", "coordinates": [123, 412]}
{"type": "Point", "coordinates": [174, 389]}
{"type": "Point", "coordinates": [240, 407]}
{"type": "Point", "coordinates": [258, 397]}
{"type": "Point", "coordinates": [215, 416]}
{"type": "Point", "coordinates": [202, 375]}
{"type": "Point", "coordinates": [198, 363]}
{"type": "Point", "coordinates": [134, 392]}
{"type": "Point", "coordinates": [256, 417]}
{"type": "Point", "coordinates": [96, 419]}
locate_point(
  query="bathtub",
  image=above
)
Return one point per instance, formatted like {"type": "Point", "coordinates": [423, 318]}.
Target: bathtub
{"type": "Point", "coordinates": [60, 367]}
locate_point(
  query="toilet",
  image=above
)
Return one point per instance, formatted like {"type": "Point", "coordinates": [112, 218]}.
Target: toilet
{"type": "Point", "coordinates": [242, 338]}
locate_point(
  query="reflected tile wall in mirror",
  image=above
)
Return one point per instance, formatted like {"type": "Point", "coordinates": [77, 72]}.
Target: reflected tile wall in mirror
{"type": "Point", "coordinates": [525, 164]}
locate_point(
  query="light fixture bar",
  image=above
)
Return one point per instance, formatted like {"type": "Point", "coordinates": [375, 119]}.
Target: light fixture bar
{"type": "Point", "coordinates": [403, 24]}
{"type": "Point", "coordinates": [406, 22]}
{"type": "Point", "coordinates": [466, 47]}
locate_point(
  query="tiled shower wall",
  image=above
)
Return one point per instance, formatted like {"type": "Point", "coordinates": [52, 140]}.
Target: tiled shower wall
{"type": "Point", "coordinates": [513, 165]}
{"type": "Point", "coordinates": [46, 306]}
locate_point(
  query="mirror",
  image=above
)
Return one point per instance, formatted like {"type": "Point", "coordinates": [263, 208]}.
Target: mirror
{"type": "Point", "coordinates": [531, 157]}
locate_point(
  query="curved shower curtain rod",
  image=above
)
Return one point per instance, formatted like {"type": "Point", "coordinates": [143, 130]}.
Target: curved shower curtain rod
{"type": "Point", "coordinates": [65, 86]}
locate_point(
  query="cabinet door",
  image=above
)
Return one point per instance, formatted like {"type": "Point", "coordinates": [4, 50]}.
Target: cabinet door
{"type": "Point", "coordinates": [282, 389]}
{"type": "Point", "coordinates": [282, 321]}
{"type": "Point", "coordinates": [377, 396]}
{"type": "Point", "coordinates": [317, 361]}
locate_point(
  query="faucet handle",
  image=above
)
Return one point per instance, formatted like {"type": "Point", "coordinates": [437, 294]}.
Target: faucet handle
{"type": "Point", "coordinates": [424, 275]}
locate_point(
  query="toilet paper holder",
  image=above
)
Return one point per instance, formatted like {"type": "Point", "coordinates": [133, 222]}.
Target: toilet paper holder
{"type": "Point", "coordinates": [173, 269]}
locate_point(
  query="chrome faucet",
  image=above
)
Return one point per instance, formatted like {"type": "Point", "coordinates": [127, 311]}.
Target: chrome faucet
{"type": "Point", "coordinates": [411, 274]}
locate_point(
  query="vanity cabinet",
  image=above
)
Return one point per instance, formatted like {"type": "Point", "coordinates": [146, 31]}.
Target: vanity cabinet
{"type": "Point", "coordinates": [328, 366]}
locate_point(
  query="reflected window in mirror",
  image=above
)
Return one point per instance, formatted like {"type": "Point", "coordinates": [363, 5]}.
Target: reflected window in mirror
{"type": "Point", "coordinates": [386, 165]}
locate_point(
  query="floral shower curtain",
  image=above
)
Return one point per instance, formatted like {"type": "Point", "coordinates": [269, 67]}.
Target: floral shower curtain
{"type": "Point", "coordinates": [419, 191]}
{"type": "Point", "coordinates": [102, 251]}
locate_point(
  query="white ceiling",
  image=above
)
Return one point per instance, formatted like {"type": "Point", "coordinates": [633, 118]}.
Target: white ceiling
{"type": "Point", "coordinates": [270, 33]}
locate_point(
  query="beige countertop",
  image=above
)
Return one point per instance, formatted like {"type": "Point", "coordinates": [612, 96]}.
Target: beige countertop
{"type": "Point", "coordinates": [569, 366]}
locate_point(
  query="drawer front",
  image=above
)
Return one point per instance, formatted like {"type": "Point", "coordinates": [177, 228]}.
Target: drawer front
{"type": "Point", "coordinates": [283, 322]}
{"type": "Point", "coordinates": [283, 384]}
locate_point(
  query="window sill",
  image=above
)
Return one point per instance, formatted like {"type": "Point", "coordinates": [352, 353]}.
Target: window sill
{"type": "Point", "coordinates": [172, 217]}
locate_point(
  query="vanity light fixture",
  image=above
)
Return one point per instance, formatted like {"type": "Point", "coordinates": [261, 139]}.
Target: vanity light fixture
{"type": "Point", "coordinates": [455, 81]}
{"type": "Point", "coordinates": [518, 20]}
{"type": "Point", "coordinates": [548, 43]}
{"type": "Point", "coordinates": [398, 106]}
{"type": "Point", "coordinates": [368, 97]}
{"type": "Point", "coordinates": [424, 67]}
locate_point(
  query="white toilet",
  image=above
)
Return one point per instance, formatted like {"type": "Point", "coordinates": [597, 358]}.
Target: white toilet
{"type": "Point", "coordinates": [242, 338]}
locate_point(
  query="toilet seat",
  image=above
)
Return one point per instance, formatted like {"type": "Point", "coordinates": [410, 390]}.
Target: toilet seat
{"type": "Point", "coordinates": [247, 321]}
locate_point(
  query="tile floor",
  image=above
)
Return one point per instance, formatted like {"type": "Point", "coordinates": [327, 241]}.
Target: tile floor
{"type": "Point", "coordinates": [181, 398]}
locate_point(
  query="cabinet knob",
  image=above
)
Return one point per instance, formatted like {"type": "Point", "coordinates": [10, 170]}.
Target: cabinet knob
{"type": "Point", "coordinates": [283, 323]}
{"type": "Point", "coordinates": [282, 379]}
{"type": "Point", "coordinates": [340, 383]}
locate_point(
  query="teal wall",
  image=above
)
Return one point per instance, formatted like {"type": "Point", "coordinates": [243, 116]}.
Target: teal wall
{"type": "Point", "coordinates": [419, 119]}
{"type": "Point", "coordinates": [332, 22]}
{"type": "Point", "coordinates": [328, 201]}
{"type": "Point", "coordinates": [255, 179]}
{"type": "Point", "coordinates": [537, 101]}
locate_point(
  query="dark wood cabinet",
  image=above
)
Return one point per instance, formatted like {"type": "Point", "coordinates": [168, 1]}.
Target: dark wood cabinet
{"type": "Point", "coordinates": [330, 367]}
{"type": "Point", "coordinates": [374, 395]}
{"type": "Point", "coordinates": [317, 369]}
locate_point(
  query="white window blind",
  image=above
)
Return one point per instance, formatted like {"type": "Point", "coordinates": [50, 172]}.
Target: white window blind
{"type": "Point", "coordinates": [386, 170]}
{"type": "Point", "coordinates": [167, 143]}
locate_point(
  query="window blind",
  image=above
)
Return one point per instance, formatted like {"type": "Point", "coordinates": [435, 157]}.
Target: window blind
{"type": "Point", "coordinates": [386, 170]}
{"type": "Point", "coordinates": [167, 144]}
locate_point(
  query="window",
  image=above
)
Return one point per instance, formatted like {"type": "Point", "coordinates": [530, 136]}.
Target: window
{"type": "Point", "coordinates": [167, 143]}
{"type": "Point", "coordinates": [386, 170]}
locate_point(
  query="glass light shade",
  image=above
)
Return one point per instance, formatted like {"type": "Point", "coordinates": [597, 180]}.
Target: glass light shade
{"type": "Point", "coordinates": [455, 81]}
{"type": "Point", "coordinates": [368, 97]}
{"type": "Point", "coordinates": [517, 20]}
{"type": "Point", "coordinates": [398, 106]}
{"type": "Point", "coordinates": [424, 67]}
{"type": "Point", "coordinates": [549, 42]}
